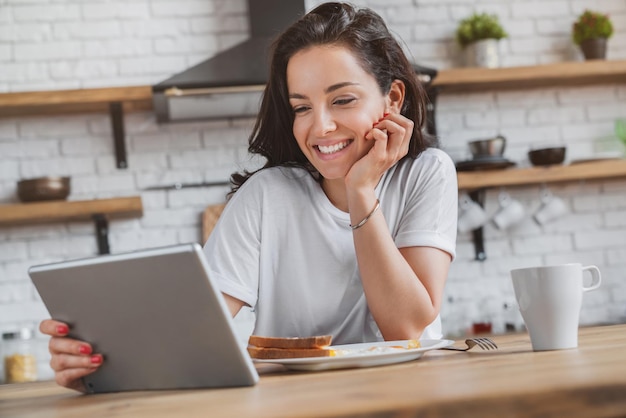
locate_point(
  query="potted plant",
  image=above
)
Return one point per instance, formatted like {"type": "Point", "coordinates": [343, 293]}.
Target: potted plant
{"type": "Point", "coordinates": [478, 35]}
{"type": "Point", "coordinates": [590, 32]}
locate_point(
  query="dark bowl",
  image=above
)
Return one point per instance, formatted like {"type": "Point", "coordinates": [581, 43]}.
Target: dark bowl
{"type": "Point", "coordinates": [547, 156]}
{"type": "Point", "coordinates": [43, 188]}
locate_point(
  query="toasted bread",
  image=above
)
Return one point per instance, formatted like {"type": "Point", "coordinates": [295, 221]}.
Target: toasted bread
{"type": "Point", "coordinates": [318, 341]}
{"type": "Point", "coordinates": [283, 353]}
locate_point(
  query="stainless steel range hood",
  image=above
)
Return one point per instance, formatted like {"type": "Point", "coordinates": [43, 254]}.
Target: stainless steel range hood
{"type": "Point", "coordinates": [231, 83]}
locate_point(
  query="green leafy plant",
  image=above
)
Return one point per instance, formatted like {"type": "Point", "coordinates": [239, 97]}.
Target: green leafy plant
{"type": "Point", "coordinates": [477, 27]}
{"type": "Point", "coordinates": [591, 25]}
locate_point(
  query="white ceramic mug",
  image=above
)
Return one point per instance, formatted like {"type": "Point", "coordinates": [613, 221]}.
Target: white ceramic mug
{"type": "Point", "coordinates": [550, 299]}
{"type": "Point", "coordinates": [511, 211]}
{"type": "Point", "coordinates": [552, 207]}
{"type": "Point", "coordinates": [471, 214]}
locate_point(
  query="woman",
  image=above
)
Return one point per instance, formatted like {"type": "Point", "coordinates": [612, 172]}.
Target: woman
{"type": "Point", "coordinates": [349, 229]}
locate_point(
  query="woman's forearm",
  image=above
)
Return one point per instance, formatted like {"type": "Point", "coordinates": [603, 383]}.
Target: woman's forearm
{"type": "Point", "coordinates": [403, 294]}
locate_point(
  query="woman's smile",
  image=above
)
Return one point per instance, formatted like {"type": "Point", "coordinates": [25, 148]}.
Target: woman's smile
{"type": "Point", "coordinates": [332, 150]}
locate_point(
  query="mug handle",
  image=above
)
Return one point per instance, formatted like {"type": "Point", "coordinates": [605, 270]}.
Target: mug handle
{"type": "Point", "coordinates": [596, 278]}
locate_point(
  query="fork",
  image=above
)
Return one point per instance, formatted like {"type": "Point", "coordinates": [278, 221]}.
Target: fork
{"type": "Point", "coordinates": [484, 343]}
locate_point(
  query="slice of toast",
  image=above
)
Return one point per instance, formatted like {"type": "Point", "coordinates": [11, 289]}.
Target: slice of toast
{"type": "Point", "coordinates": [283, 353]}
{"type": "Point", "coordinates": [319, 341]}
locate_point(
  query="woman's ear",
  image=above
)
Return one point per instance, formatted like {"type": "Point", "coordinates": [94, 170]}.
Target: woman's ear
{"type": "Point", "coordinates": [395, 97]}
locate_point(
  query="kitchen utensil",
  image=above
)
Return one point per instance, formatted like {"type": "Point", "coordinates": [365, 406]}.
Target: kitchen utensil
{"type": "Point", "coordinates": [179, 186]}
{"type": "Point", "coordinates": [471, 214]}
{"type": "Point", "coordinates": [547, 156]}
{"type": "Point", "coordinates": [492, 147]}
{"type": "Point", "coordinates": [510, 212]}
{"type": "Point", "coordinates": [484, 343]}
{"type": "Point", "coordinates": [43, 188]}
{"type": "Point", "coordinates": [549, 299]}
{"type": "Point", "coordinates": [485, 163]}
{"type": "Point", "coordinates": [552, 207]}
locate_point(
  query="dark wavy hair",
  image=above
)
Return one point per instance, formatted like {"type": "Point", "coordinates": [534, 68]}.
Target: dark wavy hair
{"type": "Point", "coordinates": [365, 34]}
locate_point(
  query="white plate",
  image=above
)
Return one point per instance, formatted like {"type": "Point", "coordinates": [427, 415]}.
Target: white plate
{"type": "Point", "coordinates": [357, 355]}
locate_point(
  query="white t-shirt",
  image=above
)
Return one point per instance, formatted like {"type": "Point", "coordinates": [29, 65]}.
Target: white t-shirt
{"type": "Point", "coordinates": [281, 247]}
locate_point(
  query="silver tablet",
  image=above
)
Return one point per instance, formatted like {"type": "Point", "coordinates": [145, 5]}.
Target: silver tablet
{"type": "Point", "coordinates": [155, 315]}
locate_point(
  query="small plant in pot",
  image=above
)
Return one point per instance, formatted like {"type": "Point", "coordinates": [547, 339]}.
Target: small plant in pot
{"type": "Point", "coordinates": [590, 32]}
{"type": "Point", "coordinates": [478, 35]}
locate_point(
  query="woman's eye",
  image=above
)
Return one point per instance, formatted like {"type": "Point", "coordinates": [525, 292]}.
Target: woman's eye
{"type": "Point", "coordinates": [300, 109]}
{"type": "Point", "coordinates": [344, 101]}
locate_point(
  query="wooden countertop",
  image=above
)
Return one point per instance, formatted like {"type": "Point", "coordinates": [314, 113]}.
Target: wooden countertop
{"type": "Point", "coordinates": [69, 210]}
{"type": "Point", "coordinates": [589, 381]}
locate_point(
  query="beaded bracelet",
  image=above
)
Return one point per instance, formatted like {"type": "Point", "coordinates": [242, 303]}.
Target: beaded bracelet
{"type": "Point", "coordinates": [360, 224]}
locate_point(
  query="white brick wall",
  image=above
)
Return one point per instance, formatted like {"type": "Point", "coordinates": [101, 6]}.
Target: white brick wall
{"type": "Point", "coordinates": [60, 44]}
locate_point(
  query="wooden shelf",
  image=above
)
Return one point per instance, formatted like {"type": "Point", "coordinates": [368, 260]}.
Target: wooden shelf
{"type": "Point", "coordinates": [97, 210]}
{"type": "Point", "coordinates": [118, 100]}
{"type": "Point", "coordinates": [74, 101]}
{"type": "Point", "coordinates": [475, 180]}
{"type": "Point", "coordinates": [447, 80]}
{"type": "Point", "coordinates": [460, 80]}
{"type": "Point", "coordinates": [114, 100]}
{"type": "Point", "coordinates": [53, 211]}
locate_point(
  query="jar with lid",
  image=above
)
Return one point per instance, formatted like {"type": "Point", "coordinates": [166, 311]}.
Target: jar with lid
{"type": "Point", "coordinates": [18, 351]}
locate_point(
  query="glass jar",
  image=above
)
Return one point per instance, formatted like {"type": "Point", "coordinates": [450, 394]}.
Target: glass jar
{"type": "Point", "coordinates": [20, 362]}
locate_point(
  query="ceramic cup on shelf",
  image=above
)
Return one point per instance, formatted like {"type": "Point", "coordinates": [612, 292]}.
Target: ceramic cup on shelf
{"type": "Point", "coordinates": [471, 214]}
{"type": "Point", "coordinates": [510, 212]}
{"type": "Point", "coordinates": [549, 299]}
{"type": "Point", "coordinates": [552, 207]}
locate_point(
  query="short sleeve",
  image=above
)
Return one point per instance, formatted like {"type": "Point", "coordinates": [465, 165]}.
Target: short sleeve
{"type": "Point", "coordinates": [430, 209]}
{"type": "Point", "coordinates": [233, 247]}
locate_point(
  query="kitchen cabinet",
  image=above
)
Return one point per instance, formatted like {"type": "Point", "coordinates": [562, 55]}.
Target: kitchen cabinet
{"type": "Point", "coordinates": [98, 210]}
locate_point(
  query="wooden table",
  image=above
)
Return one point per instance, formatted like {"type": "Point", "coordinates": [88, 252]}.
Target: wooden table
{"type": "Point", "coordinates": [512, 382]}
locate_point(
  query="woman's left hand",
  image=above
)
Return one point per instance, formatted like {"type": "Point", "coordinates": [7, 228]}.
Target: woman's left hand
{"type": "Point", "coordinates": [391, 136]}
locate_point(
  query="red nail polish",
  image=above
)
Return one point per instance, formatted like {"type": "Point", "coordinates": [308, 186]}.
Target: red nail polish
{"type": "Point", "coordinates": [385, 115]}
{"type": "Point", "coordinates": [96, 359]}
{"type": "Point", "coordinates": [375, 123]}
{"type": "Point", "coordinates": [84, 349]}
{"type": "Point", "coordinates": [62, 329]}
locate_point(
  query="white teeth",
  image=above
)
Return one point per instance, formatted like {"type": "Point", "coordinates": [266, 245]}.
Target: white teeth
{"type": "Point", "coordinates": [333, 148]}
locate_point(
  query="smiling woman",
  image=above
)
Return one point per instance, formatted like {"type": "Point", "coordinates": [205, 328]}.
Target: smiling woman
{"type": "Point", "coordinates": [340, 128]}
{"type": "Point", "coordinates": [350, 227]}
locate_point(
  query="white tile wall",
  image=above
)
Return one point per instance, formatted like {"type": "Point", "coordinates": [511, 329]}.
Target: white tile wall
{"type": "Point", "coordinates": [61, 44]}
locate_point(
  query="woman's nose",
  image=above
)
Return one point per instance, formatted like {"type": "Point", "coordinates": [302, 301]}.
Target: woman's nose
{"type": "Point", "coordinates": [324, 123]}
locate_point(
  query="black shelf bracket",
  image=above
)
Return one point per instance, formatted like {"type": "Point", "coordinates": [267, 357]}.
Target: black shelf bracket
{"type": "Point", "coordinates": [478, 196]}
{"type": "Point", "coordinates": [102, 233]}
{"type": "Point", "coordinates": [116, 111]}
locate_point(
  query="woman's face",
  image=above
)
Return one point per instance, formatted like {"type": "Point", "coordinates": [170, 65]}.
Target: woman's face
{"type": "Point", "coordinates": [335, 103]}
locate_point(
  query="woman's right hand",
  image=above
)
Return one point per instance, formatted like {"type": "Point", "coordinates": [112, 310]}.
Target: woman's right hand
{"type": "Point", "coordinates": [71, 359]}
